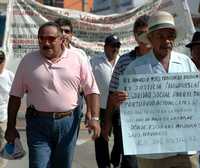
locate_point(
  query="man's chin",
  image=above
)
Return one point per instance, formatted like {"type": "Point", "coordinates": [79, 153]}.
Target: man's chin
{"type": "Point", "coordinates": [166, 50]}
{"type": "Point", "coordinates": [147, 45]}
{"type": "Point", "coordinates": [49, 57]}
{"type": "Point", "coordinates": [47, 53]}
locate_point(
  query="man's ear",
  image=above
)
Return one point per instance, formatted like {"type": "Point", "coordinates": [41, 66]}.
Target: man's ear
{"type": "Point", "coordinates": [62, 39]}
{"type": "Point", "coordinates": [63, 42]}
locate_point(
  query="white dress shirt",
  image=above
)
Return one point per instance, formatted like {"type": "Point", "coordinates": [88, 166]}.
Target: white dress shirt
{"type": "Point", "coordinates": [103, 70]}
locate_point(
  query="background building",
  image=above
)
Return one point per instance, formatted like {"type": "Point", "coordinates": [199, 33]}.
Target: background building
{"type": "Point", "coordinates": [104, 7]}
{"type": "Point", "coordinates": [195, 11]}
{"type": "Point", "coordinates": [3, 5]}
{"type": "Point", "coordinates": [82, 5]}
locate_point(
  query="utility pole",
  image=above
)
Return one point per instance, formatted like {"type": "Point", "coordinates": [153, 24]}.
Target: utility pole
{"type": "Point", "coordinates": [84, 5]}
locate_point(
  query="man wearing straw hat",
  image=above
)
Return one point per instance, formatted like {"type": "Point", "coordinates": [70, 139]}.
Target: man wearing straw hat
{"type": "Point", "coordinates": [161, 59]}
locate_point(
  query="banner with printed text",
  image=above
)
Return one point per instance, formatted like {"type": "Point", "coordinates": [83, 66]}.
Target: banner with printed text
{"type": "Point", "coordinates": [25, 16]}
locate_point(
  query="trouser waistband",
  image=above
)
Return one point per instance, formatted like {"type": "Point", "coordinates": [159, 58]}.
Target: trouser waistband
{"type": "Point", "coordinates": [31, 111]}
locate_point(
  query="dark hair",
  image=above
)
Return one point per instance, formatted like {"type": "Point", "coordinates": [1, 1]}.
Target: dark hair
{"type": "Point", "coordinates": [142, 21]}
{"type": "Point", "coordinates": [2, 56]}
{"type": "Point", "coordinates": [47, 24]}
{"type": "Point", "coordinates": [64, 22]}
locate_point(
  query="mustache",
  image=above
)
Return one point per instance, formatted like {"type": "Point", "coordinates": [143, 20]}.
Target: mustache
{"type": "Point", "coordinates": [167, 46]}
{"type": "Point", "coordinates": [46, 47]}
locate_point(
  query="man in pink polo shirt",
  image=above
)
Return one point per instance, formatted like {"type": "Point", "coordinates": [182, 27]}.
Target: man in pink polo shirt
{"type": "Point", "coordinates": [51, 77]}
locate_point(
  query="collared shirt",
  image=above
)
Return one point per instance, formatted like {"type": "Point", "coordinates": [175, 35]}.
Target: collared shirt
{"type": "Point", "coordinates": [83, 54]}
{"type": "Point", "coordinates": [149, 64]}
{"type": "Point", "coordinates": [79, 50]}
{"type": "Point", "coordinates": [6, 78]}
{"type": "Point", "coordinates": [103, 70]}
{"type": "Point", "coordinates": [53, 86]}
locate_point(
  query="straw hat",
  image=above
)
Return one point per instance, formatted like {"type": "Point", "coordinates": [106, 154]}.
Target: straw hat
{"type": "Point", "coordinates": [195, 40]}
{"type": "Point", "coordinates": [159, 20]}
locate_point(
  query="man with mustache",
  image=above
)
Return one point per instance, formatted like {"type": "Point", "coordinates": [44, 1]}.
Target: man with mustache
{"type": "Point", "coordinates": [161, 59]}
{"type": "Point", "coordinates": [51, 78]}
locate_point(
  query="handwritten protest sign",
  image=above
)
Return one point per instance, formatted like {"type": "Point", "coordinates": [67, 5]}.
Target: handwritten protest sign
{"type": "Point", "coordinates": [162, 113]}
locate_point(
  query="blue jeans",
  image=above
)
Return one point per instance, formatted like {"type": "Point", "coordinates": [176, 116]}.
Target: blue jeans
{"type": "Point", "coordinates": [51, 142]}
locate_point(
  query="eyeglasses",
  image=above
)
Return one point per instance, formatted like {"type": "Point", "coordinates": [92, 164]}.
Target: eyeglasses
{"type": "Point", "coordinates": [50, 39]}
{"type": "Point", "coordinates": [66, 31]}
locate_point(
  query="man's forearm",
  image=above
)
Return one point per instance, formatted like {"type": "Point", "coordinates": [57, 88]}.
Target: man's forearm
{"type": "Point", "coordinates": [109, 109]}
{"type": "Point", "coordinates": [93, 104]}
{"type": "Point", "coordinates": [13, 107]}
{"type": "Point", "coordinates": [114, 101]}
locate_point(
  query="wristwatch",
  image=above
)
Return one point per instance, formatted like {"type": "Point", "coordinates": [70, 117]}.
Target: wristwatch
{"type": "Point", "coordinates": [95, 118]}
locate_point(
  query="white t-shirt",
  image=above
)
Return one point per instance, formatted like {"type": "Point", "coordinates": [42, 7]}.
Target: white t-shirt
{"type": "Point", "coordinates": [6, 78]}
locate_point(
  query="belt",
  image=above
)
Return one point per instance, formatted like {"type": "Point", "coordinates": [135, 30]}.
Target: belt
{"type": "Point", "coordinates": [54, 115]}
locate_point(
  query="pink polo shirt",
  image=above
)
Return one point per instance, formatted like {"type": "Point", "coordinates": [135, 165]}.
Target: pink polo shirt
{"type": "Point", "coordinates": [53, 86]}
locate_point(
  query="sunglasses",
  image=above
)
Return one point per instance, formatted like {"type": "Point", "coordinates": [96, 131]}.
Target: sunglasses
{"type": "Point", "coordinates": [66, 31]}
{"type": "Point", "coordinates": [50, 39]}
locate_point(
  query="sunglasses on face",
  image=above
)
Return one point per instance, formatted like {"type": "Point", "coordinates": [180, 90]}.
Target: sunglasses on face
{"type": "Point", "coordinates": [50, 39]}
{"type": "Point", "coordinates": [66, 31]}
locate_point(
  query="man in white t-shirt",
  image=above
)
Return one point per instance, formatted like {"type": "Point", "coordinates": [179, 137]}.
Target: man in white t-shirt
{"type": "Point", "coordinates": [6, 78]}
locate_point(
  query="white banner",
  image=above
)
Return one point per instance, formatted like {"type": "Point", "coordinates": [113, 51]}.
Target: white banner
{"type": "Point", "coordinates": [161, 114]}
{"type": "Point", "coordinates": [25, 16]}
